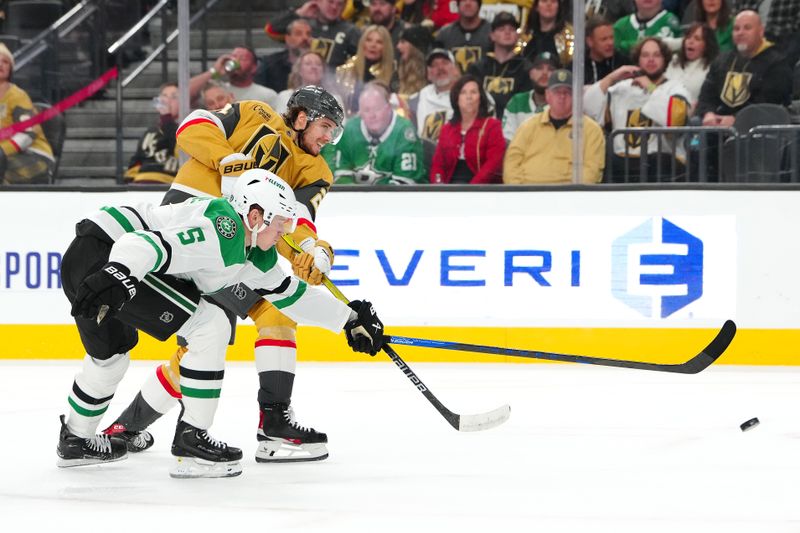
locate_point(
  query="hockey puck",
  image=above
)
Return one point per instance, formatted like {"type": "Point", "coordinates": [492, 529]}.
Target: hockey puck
{"type": "Point", "coordinates": [750, 424]}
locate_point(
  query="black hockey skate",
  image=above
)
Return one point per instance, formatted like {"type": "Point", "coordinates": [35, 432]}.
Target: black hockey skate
{"type": "Point", "coordinates": [282, 440]}
{"type": "Point", "coordinates": [78, 451]}
{"type": "Point", "coordinates": [197, 454]}
{"type": "Point", "coordinates": [135, 441]}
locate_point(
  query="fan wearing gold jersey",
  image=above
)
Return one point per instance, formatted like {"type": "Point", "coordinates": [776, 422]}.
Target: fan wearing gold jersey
{"type": "Point", "coordinates": [222, 145]}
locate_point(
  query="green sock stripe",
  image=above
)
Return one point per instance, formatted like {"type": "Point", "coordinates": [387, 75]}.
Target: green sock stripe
{"type": "Point", "coordinates": [200, 393]}
{"type": "Point", "coordinates": [86, 412]}
{"type": "Point", "coordinates": [286, 302]}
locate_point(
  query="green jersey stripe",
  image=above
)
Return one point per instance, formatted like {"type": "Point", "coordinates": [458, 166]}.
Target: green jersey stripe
{"type": "Point", "coordinates": [200, 393]}
{"type": "Point", "coordinates": [286, 302]}
{"type": "Point", "coordinates": [169, 293]}
{"type": "Point", "coordinates": [121, 219]}
{"type": "Point", "coordinates": [86, 412]}
{"type": "Point", "coordinates": [159, 253]}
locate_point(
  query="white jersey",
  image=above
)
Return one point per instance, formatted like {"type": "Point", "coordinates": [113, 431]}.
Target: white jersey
{"type": "Point", "coordinates": [630, 106]}
{"type": "Point", "coordinates": [433, 110]}
{"type": "Point", "coordinates": [203, 240]}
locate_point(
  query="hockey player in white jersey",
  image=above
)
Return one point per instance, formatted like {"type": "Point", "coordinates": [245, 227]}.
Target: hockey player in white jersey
{"type": "Point", "coordinates": [147, 268]}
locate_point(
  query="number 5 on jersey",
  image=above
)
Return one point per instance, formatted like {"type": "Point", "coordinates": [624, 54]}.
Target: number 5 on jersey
{"type": "Point", "coordinates": [192, 235]}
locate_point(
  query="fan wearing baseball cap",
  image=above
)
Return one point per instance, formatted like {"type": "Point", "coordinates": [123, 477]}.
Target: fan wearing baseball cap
{"type": "Point", "coordinates": [502, 71]}
{"type": "Point", "coordinates": [541, 150]}
{"type": "Point", "coordinates": [525, 105]}
{"type": "Point", "coordinates": [432, 107]}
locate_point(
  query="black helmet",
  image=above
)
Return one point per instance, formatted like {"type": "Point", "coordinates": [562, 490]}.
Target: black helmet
{"type": "Point", "coordinates": [318, 103]}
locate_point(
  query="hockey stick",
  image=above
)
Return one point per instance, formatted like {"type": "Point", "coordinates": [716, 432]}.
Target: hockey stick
{"type": "Point", "coordinates": [696, 364]}
{"type": "Point", "coordinates": [478, 422]}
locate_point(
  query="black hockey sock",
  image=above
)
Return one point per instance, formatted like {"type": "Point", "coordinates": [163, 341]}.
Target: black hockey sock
{"type": "Point", "coordinates": [275, 387]}
{"type": "Point", "coordinates": [138, 415]}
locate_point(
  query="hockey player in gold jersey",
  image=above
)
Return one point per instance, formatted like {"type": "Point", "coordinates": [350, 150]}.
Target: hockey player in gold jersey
{"type": "Point", "coordinates": [223, 144]}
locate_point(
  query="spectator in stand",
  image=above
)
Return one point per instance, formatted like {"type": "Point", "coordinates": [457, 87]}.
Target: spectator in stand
{"type": "Point", "coordinates": [471, 145]}
{"type": "Point", "coordinates": [239, 67]}
{"type": "Point", "coordinates": [432, 108]}
{"type": "Point", "coordinates": [548, 31]}
{"type": "Point", "coordinates": [417, 12]}
{"type": "Point", "coordinates": [690, 65]}
{"type": "Point", "coordinates": [308, 70]}
{"type": "Point", "coordinates": [522, 106]}
{"type": "Point", "coordinates": [334, 39]}
{"type": "Point", "coordinates": [601, 56]}
{"type": "Point", "coordinates": [650, 20]}
{"type": "Point", "coordinates": [156, 157]}
{"type": "Point", "coordinates": [467, 37]}
{"type": "Point", "coordinates": [273, 70]}
{"type": "Point", "coordinates": [215, 96]}
{"type": "Point", "coordinates": [541, 150]}
{"type": "Point", "coordinates": [782, 25]}
{"type": "Point", "coordinates": [716, 14]}
{"type": "Point", "coordinates": [26, 156]}
{"type": "Point", "coordinates": [503, 72]}
{"type": "Point", "coordinates": [384, 13]}
{"type": "Point", "coordinates": [641, 96]}
{"type": "Point", "coordinates": [413, 45]}
{"type": "Point", "coordinates": [373, 61]}
{"type": "Point", "coordinates": [611, 10]}
{"type": "Point", "coordinates": [444, 13]}
{"type": "Point", "coordinates": [755, 73]}
{"type": "Point", "coordinates": [378, 147]}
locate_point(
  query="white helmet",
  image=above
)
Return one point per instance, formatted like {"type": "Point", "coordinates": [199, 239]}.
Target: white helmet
{"type": "Point", "coordinates": [263, 188]}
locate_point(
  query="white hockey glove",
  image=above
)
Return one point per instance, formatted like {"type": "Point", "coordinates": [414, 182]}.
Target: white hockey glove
{"type": "Point", "coordinates": [314, 262]}
{"type": "Point", "coordinates": [231, 167]}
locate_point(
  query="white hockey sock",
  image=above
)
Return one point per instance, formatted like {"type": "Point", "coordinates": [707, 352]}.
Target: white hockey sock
{"type": "Point", "coordinates": [276, 361]}
{"type": "Point", "coordinates": [92, 391]}
{"type": "Point", "coordinates": [276, 354]}
{"type": "Point", "coordinates": [158, 392]}
{"type": "Point", "coordinates": [201, 390]}
{"type": "Point", "coordinates": [202, 367]}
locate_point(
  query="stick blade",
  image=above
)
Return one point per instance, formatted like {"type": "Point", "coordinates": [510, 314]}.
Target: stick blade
{"type": "Point", "coordinates": [713, 351]}
{"type": "Point", "coordinates": [484, 421]}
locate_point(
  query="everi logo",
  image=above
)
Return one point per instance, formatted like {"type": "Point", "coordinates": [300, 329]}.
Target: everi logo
{"type": "Point", "coordinates": [657, 268]}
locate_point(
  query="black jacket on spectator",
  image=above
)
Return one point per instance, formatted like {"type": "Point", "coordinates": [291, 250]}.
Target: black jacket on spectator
{"type": "Point", "coordinates": [273, 71]}
{"type": "Point", "coordinates": [595, 71]}
{"type": "Point", "coordinates": [504, 80]}
{"type": "Point", "coordinates": [468, 47]}
{"type": "Point", "coordinates": [335, 42]}
{"type": "Point", "coordinates": [727, 89]}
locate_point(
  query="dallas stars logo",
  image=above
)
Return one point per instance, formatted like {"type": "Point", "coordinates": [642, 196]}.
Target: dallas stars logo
{"type": "Point", "coordinates": [226, 227]}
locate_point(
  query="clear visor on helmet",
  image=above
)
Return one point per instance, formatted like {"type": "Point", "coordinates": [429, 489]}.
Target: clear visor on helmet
{"type": "Point", "coordinates": [288, 225]}
{"type": "Point", "coordinates": [329, 127]}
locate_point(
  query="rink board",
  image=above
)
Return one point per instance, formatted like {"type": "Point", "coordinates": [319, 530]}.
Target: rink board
{"type": "Point", "coordinates": [637, 274]}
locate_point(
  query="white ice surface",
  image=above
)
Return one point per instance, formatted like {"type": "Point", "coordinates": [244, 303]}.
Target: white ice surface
{"type": "Point", "coordinates": [586, 450]}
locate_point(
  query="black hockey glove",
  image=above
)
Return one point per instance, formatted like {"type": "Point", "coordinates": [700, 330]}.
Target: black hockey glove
{"type": "Point", "coordinates": [112, 285]}
{"type": "Point", "coordinates": [365, 331]}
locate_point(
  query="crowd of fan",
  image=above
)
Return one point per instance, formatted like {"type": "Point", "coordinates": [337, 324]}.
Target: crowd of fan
{"type": "Point", "coordinates": [479, 92]}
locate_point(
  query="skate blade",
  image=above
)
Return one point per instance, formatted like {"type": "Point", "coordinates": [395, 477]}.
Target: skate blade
{"type": "Point", "coordinates": [85, 461]}
{"type": "Point", "coordinates": [281, 451]}
{"type": "Point", "coordinates": [192, 467]}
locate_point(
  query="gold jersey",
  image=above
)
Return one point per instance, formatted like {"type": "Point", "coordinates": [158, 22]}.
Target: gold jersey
{"type": "Point", "coordinates": [254, 129]}
{"type": "Point", "coordinates": [16, 106]}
